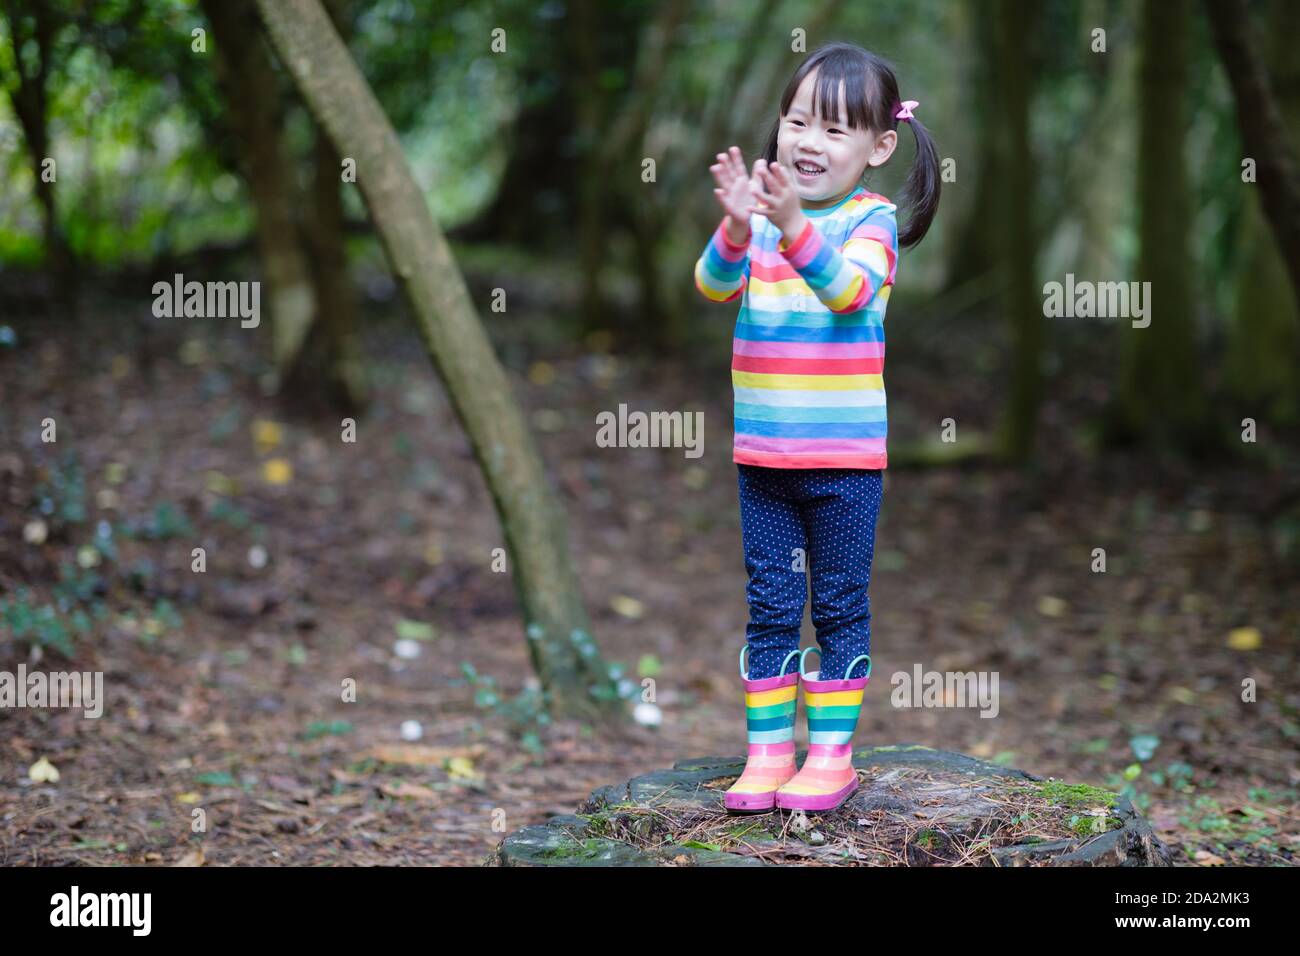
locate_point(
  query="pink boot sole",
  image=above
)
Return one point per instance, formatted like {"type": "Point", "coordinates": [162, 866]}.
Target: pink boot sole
{"type": "Point", "coordinates": [816, 801]}
{"type": "Point", "coordinates": [750, 802]}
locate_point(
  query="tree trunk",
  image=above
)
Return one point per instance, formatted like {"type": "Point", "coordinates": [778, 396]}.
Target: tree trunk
{"type": "Point", "coordinates": [247, 77]}
{"type": "Point", "coordinates": [574, 679]}
{"type": "Point", "coordinates": [1263, 131]}
{"type": "Point", "coordinates": [1162, 382]}
{"type": "Point", "coordinates": [1261, 374]}
{"type": "Point", "coordinates": [30, 100]}
{"type": "Point", "coordinates": [584, 83]}
{"type": "Point", "coordinates": [329, 374]}
{"type": "Point", "coordinates": [973, 255]}
{"type": "Point", "coordinates": [1024, 309]}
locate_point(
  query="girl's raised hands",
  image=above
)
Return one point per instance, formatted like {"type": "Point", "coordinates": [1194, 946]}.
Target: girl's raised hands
{"type": "Point", "coordinates": [736, 190]}
{"type": "Point", "coordinates": [778, 200]}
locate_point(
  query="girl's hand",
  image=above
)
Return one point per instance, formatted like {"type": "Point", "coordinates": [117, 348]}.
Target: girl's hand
{"type": "Point", "coordinates": [778, 200]}
{"type": "Point", "coordinates": [735, 190]}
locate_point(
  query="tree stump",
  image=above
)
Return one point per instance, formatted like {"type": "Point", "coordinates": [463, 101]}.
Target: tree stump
{"type": "Point", "coordinates": [915, 806]}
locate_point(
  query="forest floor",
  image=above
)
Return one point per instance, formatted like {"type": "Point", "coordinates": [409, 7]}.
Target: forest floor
{"type": "Point", "coordinates": [223, 690]}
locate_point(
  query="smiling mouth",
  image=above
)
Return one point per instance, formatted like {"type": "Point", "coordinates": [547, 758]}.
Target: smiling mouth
{"type": "Point", "coordinates": [807, 168]}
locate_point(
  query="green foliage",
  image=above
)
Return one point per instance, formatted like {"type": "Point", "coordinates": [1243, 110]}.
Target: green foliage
{"type": "Point", "coordinates": [75, 603]}
{"type": "Point", "coordinates": [61, 496]}
{"type": "Point", "coordinates": [327, 728]}
{"type": "Point", "coordinates": [146, 165]}
{"type": "Point", "coordinates": [41, 625]}
{"type": "Point", "coordinates": [131, 115]}
{"type": "Point", "coordinates": [526, 713]}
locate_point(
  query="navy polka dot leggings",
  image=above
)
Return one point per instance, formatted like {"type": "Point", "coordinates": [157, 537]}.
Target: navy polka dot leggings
{"type": "Point", "coordinates": [823, 519]}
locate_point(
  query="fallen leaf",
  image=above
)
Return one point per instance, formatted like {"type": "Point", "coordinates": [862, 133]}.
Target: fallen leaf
{"type": "Point", "coordinates": [343, 776]}
{"type": "Point", "coordinates": [421, 755]}
{"type": "Point", "coordinates": [267, 434]}
{"type": "Point", "coordinates": [414, 630]}
{"type": "Point", "coordinates": [43, 771]}
{"type": "Point", "coordinates": [220, 484]}
{"type": "Point", "coordinates": [1244, 639]}
{"type": "Point", "coordinates": [405, 788]}
{"type": "Point", "coordinates": [193, 858]}
{"type": "Point", "coordinates": [541, 373]}
{"type": "Point", "coordinates": [1049, 606]}
{"type": "Point", "coordinates": [628, 607]}
{"type": "Point", "coordinates": [462, 768]}
{"type": "Point", "coordinates": [277, 471]}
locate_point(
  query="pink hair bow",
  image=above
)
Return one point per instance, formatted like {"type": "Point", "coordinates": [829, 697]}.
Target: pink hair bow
{"type": "Point", "coordinates": [906, 112]}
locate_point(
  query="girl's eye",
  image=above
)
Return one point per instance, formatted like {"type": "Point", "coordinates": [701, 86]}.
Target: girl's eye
{"type": "Point", "coordinates": [796, 122]}
{"type": "Point", "coordinates": [835, 131]}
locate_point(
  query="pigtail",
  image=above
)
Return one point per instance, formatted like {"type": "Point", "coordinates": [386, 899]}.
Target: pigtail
{"type": "Point", "coordinates": [921, 191]}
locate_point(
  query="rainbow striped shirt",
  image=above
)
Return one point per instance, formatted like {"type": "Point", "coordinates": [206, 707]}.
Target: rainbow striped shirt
{"type": "Point", "coordinates": [808, 355]}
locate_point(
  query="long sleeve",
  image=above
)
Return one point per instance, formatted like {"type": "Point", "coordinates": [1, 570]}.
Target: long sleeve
{"type": "Point", "coordinates": [723, 268]}
{"type": "Point", "coordinates": [846, 280]}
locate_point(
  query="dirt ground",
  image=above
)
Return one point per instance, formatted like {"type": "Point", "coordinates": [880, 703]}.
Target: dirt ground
{"type": "Point", "coordinates": [226, 697]}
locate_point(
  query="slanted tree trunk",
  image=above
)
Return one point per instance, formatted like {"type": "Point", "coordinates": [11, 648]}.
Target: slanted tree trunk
{"type": "Point", "coordinates": [247, 76]}
{"type": "Point", "coordinates": [1162, 397]}
{"type": "Point", "coordinates": [1260, 369]}
{"type": "Point", "coordinates": [1024, 309]}
{"type": "Point", "coordinates": [1263, 130]}
{"type": "Point", "coordinates": [574, 678]}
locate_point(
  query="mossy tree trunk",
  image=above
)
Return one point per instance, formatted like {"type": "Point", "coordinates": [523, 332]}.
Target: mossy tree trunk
{"type": "Point", "coordinates": [563, 652]}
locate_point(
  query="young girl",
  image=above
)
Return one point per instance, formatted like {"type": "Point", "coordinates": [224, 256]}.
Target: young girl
{"type": "Point", "coordinates": [813, 270]}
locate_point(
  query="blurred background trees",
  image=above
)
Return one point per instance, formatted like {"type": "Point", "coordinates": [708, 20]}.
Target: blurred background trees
{"type": "Point", "coordinates": [582, 145]}
{"type": "Point", "coordinates": [563, 148]}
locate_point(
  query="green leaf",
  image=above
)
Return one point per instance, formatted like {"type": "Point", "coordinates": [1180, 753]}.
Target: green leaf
{"type": "Point", "coordinates": [218, 778]}
{"type": "Point", "coordinates": [1144, 745]}
{"type": "Point", "coordinates": [697, 845]}
{"type": "Point", "coordinates": [324, 728]}
{"type": "Point", "coordinates": [415, 630]}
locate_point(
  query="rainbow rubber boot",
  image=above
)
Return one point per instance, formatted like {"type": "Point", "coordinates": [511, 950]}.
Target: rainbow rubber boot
{"type": "Point", "coordinates": [827, 777]}
{"type": "Point", "coordinates": [769, 718]}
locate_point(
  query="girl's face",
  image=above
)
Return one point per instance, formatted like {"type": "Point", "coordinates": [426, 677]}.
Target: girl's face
{"type": "Point", "coordinates": [825, 156]}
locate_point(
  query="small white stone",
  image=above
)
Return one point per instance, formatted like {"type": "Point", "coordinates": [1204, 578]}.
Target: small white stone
{"type": "Point", "coordinates": [411, 730]}
{"type": "Point", "coordinates": [407, 649]}
{"type": "Point", "coordinates": [647, 715]}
